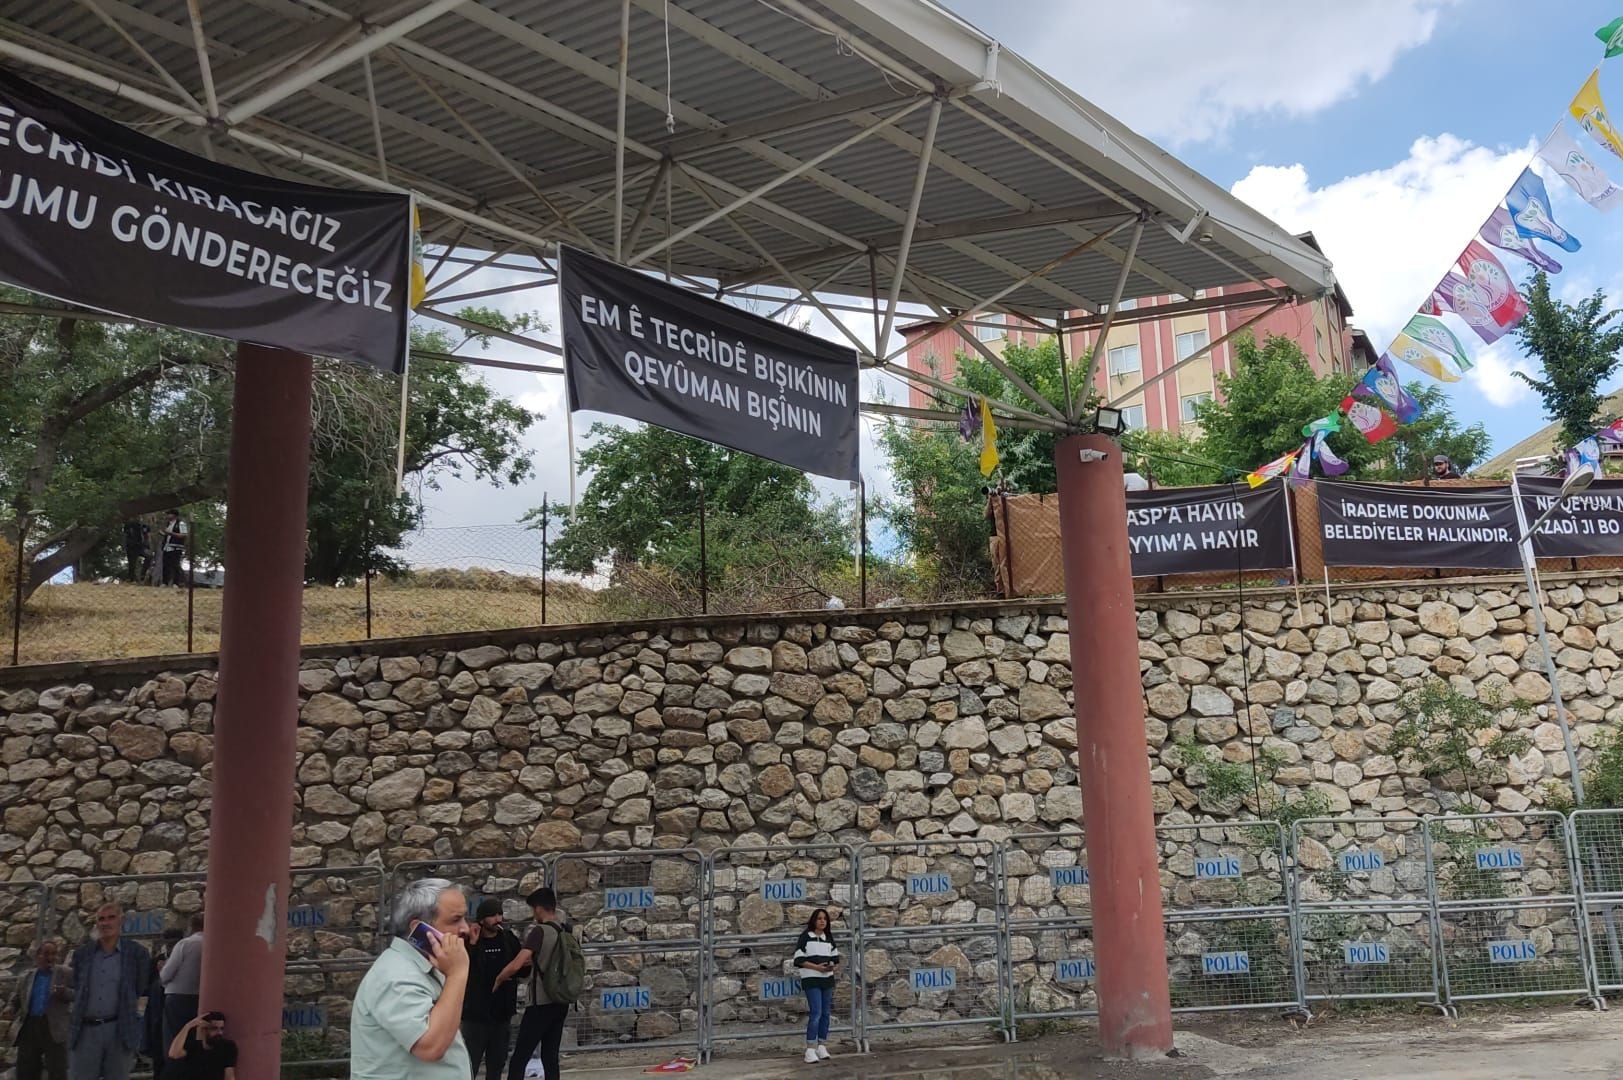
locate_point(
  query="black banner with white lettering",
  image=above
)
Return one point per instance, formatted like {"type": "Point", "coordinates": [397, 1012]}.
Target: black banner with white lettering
{"type": "Point", "coordinates": [1208, 530]}
{"type": "Point", "coordinates": [93, 213]}
{"type": "Point", "coordinates": [1390, 525]}
{"type": "Point", "coordinates": [638, 347]}
{"type": "Point", "coordinates": [1588, 524]}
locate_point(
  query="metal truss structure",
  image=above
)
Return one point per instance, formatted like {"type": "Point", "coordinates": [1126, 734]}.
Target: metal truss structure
{"type": "Point", "coordinates": [880, 156]}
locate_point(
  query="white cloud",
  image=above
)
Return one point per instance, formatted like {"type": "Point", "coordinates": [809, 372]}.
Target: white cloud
{"type": "Point", "coordinates": [1492, 374]}
{"type": "Point", "coordinates": [1392, 232]}
{"type": "Point", "coordinates": [1187, 70]}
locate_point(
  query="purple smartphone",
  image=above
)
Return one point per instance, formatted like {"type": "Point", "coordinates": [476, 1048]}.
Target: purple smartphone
{"type": "Point", "coordinates": [422, 935]}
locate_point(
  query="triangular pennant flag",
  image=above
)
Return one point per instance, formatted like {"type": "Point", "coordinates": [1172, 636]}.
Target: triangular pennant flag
{"type": "Point", "coordinates": [1502, 233]}
{"type": "Point", "coordinates": [1611, 35]}
{"type": "Point", "coordinates": [1373, 424]}
{"type": "Point", "coordinates": [419, 280]}
{"type": "Point", "coordinates": [1381, 383]}
{"type": "Point", "coordinates": [1464, 299]}
{"type": "Point", "coordinates": [1302, 469]}
{"type": "Point", "coordinates": [1329, 463]}
{"type": "Point", "coordinates": [1573, 164]}
{"type": "Point", "coordinates": [1323, 423]}
{"type": "Point", "coordinates": [1482, 269]}
{"type": "Point", "coordinates": [989, 457]}
{"type": "Point", "coordinates": [1430, 331]}
{"type": "Point", "coordinates": [1611, 433]}
{"type": "Point", "coordinates": [1590, 112]}
{"type": "Point", "coordinates": [1529, 207]}
{"type": "Point", "coordinates": [969, 421]}
{"type": "Point", "coordinates": [1275, 468]}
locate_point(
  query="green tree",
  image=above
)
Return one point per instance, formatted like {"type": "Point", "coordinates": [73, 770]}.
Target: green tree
{"type": "Point", "coordinates": [1577, 346]}
{"type": "Point", "coordinates": [1408, 454]}
{"type": "Point", "coordinates": [1174, 459]}
{"type": "Point", "coordinates": [640, 509]}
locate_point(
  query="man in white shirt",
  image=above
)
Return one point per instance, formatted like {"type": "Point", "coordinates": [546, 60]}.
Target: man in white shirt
{"type": "Point", "coordinates": [180, 976]}
{"type": "Point", "coordinates": [406, 1021]}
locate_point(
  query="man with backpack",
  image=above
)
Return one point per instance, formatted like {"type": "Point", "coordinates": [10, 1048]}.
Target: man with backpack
{"type": "Point", "coordinates": [557, 981]}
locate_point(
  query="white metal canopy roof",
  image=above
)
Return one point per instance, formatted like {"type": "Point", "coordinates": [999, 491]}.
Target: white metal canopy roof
{"type": "Point", "coordinates": [792, 152]}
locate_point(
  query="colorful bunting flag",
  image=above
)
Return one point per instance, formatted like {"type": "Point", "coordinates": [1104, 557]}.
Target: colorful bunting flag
{"type": "Point", "coordinates": [1482, 269]}
{"type": "Point", "coordinates": [1431, 332]}
{"type": "Point", "coordinates": [1611, 35]}
{"type": "Point", "coordinates": [1275, 468]}
{"type": "Point", "coordinates": [1323, 423]}
{"type": "Point", "coordinates": [1372, 423]}
{"type": "Point", "coordinates": [1584, 456]}
{"type": "Point", "coordinates": [1381, 383]}
{"type": "Point", "coordinates": [1502, 233]}
{"type": "Point", "coordinates": [1590, 112]}
{"type": "Point", "coordinates": [1612, 433]}
{"type": "Point", "coordinates": [989, 457]}
{"type": "Point", "coordinates": [969, 421]}
{"type": "Point", "coordinates": [419, 280]}
{"type": "Point", "coordinates": [1529, 207]}
{"type": "Point", "coordinates": [1573, 164]}
{"type": "Point", "coordinates": [1456, 294]}
{"type": "Point", "coordinates": [1329, 463]}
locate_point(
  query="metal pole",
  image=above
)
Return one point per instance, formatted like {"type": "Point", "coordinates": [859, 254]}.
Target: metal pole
{"type": "Point", "coordinates": [545, 509]}
{"type": "Point", "coordinates": [191, 579]}
{"type": "Point", "coordinates": [17, 591]}
{"type": "Point", "coordinates": [902, 249]}
{"type": "Point", "coordinates": [1290, 536]}
{"type": "Point", "coordinates": [367, 564]}
{"type": "Point", "coordinates": [1008, 548]}
{"type": "Point", "coordinates": [1135, 1007]}
{"type": "Point", "coordinates": [704, 568]}
{"type": "Point", "coordinates": [1115, 305]}
{"type": "Point", "coordinates": [620, 131]}
{"type": "Point", "coordinates": [256, 717]}
{"type": "Point", "coordinates": [1524, 548]}
{"type": "Point", "coordinates": [862, 546]}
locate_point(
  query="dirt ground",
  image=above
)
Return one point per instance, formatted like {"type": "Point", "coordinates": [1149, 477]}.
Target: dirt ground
{"type": "Point", "coordinates": [1499, 1045]}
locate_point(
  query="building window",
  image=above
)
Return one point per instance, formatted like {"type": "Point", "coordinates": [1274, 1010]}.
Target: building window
{"type": "Point", "coordinates": [1189, 403]}
{"type": "Point", "coordinates": [989, 333]}
{"type": "Point", "coordinates": [1191, 343]}
{"type": "Point", "coordinates": [1132, 417]}
{"type": "Point", "coordinates": [1127, 305]}
{"type": "Point", "coordinates": [1124, 360]}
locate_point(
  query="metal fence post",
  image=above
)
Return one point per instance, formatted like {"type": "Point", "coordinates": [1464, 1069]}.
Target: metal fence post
{"type": "Point", "coordinates": [862, 543]}
{"type": "Point", "coordinates": [1008, 548]}
{"type": "Point", "coordinates": [17, 591]}
{"type": "Point", "coordinates": [704, 569]}
{"type": "Point", "coordinates": [545, 510]}
{"type": "Point", "coordinates": [366, 562]}
{"type": "Point", "coordinates": [191, 580]}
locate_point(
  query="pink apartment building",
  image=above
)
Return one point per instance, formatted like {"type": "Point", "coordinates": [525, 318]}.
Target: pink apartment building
{"type": "Point", "coordinates": [1138, 349]}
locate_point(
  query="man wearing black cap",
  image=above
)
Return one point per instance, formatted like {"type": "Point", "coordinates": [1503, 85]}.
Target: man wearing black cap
{"type": "Point", "coordinates": [487, 1010]}
{"type": "Point", "coordinates": [1443, 469]}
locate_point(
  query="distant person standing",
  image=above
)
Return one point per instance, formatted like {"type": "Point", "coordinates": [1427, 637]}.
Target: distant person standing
{"type": "Point", "coordinates": [557, 974]}
{"type": "Point", "coordinates": [181, 974]}
{"type": "Point", "coordinates": [138, 551]}
{"type": "Point", "coordinates": [1443, 469]}
{"type": "Point", "coordinates": [39, 1026]}
{"type": "Point", "coordinates": [815, 960]}
{"type": "Point", "coordinates": [174, 546]}
{"type": "Point", "coordinates": [109, 975]}
{"type": "Point", "coordinates": [487, 1010]}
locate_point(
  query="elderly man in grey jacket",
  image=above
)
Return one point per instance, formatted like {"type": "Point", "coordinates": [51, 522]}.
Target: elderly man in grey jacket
{"type": "Point", "coordinates": [109, 976]}
{"type": "Point", "coordinates": [39, 1017]}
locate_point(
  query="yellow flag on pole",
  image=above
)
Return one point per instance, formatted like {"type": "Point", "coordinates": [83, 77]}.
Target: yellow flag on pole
{"type": "Point", "coordinates": [989, 458]}
{"type": "Point", "coordinates": [419, 280]}
{"type": "Point", "coordinates": [1590, 112]}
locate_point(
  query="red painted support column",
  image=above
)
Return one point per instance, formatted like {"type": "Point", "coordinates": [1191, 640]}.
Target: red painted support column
{"type": "Point", "coordinates": [1129, 938]}
{"type": "Point", "coordinates": [256, 713]}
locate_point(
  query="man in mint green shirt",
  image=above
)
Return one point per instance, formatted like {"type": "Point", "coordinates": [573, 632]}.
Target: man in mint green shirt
{"type": "Point", "coordinates": [406, 1020]}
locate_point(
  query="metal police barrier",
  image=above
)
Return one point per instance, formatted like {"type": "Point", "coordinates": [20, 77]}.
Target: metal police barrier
{"type": "Point", "coordinates": [930, 926]}
{"type": "Point", "coordinates": [154, 905]}
{"type": "Point", "coordinates": [1509, 921]}
{"type": "Point", "coordinates": [760, 901]}
{"type": "Point", "coordinates": [640, 919]}
{"type": "Point", "coordinates": [22, 913]}
{"type": "Point", "coordinates": [1366, 925]}
{"type": "Point", "coordinates": [337, 923]}
{"type": "Point", "coordinates": [1048, 962]}
{"type": "Point", "coordinates": [509, 880]}
{"type": "Point", "coordinates": [1226, 901]}
{"type": "Point", "coordinates": [1597, 848]}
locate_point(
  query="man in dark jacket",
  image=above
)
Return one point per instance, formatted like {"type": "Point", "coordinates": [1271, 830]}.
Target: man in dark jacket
{"type": "Point", "coordinates": [487, 1010]}
{"type": "Point", "coordinates": [109, 976]}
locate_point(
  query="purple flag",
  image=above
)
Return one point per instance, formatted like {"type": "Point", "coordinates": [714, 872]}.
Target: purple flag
{"type": "Point", "coordinates": [1502, 233]}
{"type": "Point", "coordinates": [1381, 383]}
{"type": "Point", "coordinates": [1329, 463]}
{"type": "Point", "coordinates": [969, 421]}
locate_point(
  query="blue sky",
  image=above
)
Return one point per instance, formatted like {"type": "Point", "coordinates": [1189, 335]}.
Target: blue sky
{"type": "Point", "coordinates": [1389, 127]}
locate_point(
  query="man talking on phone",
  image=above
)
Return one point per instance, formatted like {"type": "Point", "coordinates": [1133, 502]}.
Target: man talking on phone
{"type": "Point", "coordinates": [406, 1020]}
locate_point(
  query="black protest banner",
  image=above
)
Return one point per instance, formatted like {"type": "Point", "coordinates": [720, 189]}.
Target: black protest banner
{"type": "Point", "coordinates": [95, 214]}
{"type": "Point", "coordinates": [1588, 524]}
{"type": "Point", "coordinates": [637, 347]}
{"type": "Point", "coordinates": [1208, 530]}
{"type": "Point", "coordinates": [1393, 525]}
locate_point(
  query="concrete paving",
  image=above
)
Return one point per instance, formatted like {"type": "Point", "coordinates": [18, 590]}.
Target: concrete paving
{"type": "Point", "coordinates": [1502, 1045]}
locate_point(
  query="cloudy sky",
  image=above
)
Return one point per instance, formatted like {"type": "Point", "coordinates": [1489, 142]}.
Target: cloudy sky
{"type": "Point", "coordinates": [1391, 128]}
